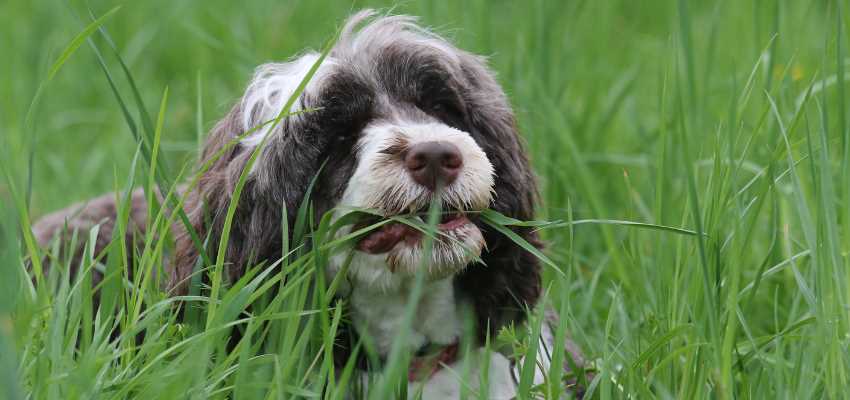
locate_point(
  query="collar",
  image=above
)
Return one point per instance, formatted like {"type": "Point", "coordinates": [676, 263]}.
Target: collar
{"type": "Point", "coordinates": [430, 359]}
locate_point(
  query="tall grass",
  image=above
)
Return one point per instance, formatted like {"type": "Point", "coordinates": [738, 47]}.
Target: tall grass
{"type": "Point", "coordinates": [694, 158]}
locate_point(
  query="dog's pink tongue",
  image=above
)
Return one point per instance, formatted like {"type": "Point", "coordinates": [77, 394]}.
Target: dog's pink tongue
{"type": "Point", "coordinates": [384, 239]}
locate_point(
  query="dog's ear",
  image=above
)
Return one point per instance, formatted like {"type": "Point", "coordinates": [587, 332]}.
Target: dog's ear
{"type": "Point", "coordinates": [510, 282]}
{"type": "Point", "coordinates": [292, 153]}
{"type": "Point", "coordinates": [206, 204]}
{"type": "Point", "coordinates": [255, 233]}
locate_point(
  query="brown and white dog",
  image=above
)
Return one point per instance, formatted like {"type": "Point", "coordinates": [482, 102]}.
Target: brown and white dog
{"type": "Point", "coordinates": [395, 112]}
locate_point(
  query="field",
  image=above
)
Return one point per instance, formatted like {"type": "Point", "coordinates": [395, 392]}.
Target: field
{"type": "Point", "coordinates": [696, 156]}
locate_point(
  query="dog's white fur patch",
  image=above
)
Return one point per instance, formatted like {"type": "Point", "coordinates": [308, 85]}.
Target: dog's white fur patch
{"type": "Point", "coordinates": [381, 313]}
{"type": "Point", "coordinates": [380, 178]}
{"type": "Point", "coordinates": [272, 87]}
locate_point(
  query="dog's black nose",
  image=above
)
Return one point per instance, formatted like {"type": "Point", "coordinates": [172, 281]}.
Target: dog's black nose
{"type": "Point", "coordinates": [433, 162]}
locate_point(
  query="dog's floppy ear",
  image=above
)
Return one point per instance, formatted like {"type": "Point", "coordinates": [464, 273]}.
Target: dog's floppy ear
{"type": "Point", "coordinates": [206, 204]}
{"type": "Point", "coordinates": [291, 156]}
{"type": "Point", "coordinates": [502, 289]}
{"type": "Point", "coordinates": [255, 233]}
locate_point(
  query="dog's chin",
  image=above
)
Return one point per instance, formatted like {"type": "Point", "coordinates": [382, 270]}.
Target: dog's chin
{"type": "Point", "coordinates": [452, 250]}
{"type": "Point", "coordinates": [405, 251]}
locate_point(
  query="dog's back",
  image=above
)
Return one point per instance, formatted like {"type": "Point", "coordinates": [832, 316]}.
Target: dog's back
{"type": "Point", "coordinates": [79, 219]}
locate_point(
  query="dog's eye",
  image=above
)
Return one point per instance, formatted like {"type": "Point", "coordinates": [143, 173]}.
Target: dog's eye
{"type": "Point", "coordinates": [343, 108]}
{"type": "Point", "coordinates": [444, 107]}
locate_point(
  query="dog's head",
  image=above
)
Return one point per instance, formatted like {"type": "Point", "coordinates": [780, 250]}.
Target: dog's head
{"type": "Point", "coordinates": [393, 117]}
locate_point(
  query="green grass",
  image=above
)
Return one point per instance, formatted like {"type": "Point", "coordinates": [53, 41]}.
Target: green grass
{"type": "Point", "coordinates": [696, 155]}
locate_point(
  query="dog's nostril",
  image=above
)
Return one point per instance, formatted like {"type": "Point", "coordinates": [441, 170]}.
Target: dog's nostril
{"type": "Point", "coordinates": [433, 162]}
{"type": "Point", "coordinates": [452, 160]}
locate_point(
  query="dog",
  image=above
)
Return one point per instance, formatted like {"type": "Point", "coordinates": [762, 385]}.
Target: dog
{"type": "Point", "coordinates": [393, 119]}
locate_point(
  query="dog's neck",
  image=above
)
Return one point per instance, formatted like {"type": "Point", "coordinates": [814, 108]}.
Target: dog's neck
{"type": "Point", "coordinates": [379, 313]}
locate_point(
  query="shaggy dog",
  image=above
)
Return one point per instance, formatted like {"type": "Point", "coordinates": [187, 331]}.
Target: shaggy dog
{"type": "Point", "coordinates": [394, 118]}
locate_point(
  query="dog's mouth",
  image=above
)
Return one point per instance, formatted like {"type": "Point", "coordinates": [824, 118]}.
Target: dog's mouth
{"type": "Point", "coordinates": [392, 234]}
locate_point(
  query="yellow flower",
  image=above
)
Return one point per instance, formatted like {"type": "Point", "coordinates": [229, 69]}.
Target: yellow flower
{"type": "Point", "coordinates": [796, 72]}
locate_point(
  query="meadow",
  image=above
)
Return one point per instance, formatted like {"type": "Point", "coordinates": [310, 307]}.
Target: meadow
{"type": "Point", "coordinates": [693, 156]}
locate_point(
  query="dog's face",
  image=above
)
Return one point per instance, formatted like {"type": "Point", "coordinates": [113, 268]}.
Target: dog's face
{"type": "Point", "coordinates": [394, 118]}
{"type": "Point", "coordinates": [392, 100]}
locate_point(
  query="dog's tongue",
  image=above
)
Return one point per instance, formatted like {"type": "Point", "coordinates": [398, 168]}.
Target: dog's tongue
{"type": "Point", "coordinates": [385, 238]}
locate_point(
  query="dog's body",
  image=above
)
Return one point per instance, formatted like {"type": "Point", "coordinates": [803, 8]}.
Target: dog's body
{"type": "Point", "coordinates": [395, 118]}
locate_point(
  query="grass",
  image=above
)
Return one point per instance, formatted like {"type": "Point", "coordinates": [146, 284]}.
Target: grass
{"type": "Point", "coordinates": [696, 157]}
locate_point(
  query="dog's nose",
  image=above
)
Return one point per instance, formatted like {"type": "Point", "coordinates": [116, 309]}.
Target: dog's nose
{"type": "Point", "coordinates": [433, 162]}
